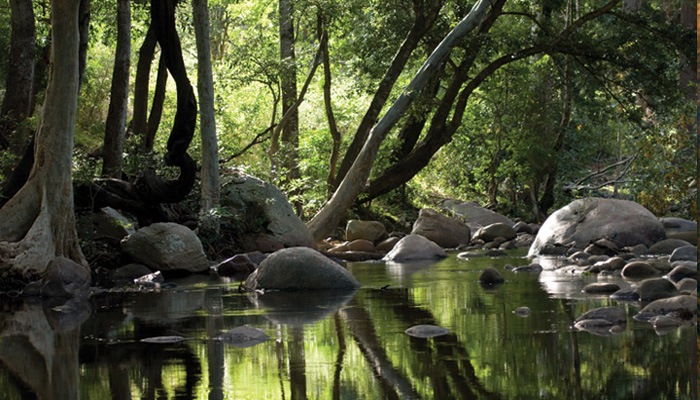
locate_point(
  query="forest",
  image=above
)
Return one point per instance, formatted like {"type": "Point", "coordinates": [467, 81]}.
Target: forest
{"type": "Point", "coordinates": [352, 108]}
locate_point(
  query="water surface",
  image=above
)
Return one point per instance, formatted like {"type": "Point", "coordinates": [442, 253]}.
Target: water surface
{"type": "Point", "coordinates": [345, 345]}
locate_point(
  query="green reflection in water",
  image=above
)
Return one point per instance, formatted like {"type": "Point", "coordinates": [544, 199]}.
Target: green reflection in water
{"type": "Point", "coordinates": [353, 346]}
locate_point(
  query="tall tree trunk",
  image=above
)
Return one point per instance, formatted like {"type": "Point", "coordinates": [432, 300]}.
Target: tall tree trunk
{"type": "Point", "coordinates": [141, 84]}
{"type": "Point", "coordinates": [17, 104]}
{"type": "Point", "coordinates": [289, 139]}
{"type": "Point", "coordinates": [354, 182]}
{"type": "Point", "coordinates": [328, 105]}
{"type": "Point", "coordinates": [115, 132]}
{"type": "Point", "coordinates": [424, 20]}
{"type": "Point", "coordinates": [207, 127]}
{"type": "Point", "coordinates": [38, 223]}
{"type": "Point", "coordinates": [84, 27]}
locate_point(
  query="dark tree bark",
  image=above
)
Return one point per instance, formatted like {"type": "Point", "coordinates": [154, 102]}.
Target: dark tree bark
{"type": "Point", "coordinates": [17, 104]}
{"type": "Point", "coordinates": [289, 138]}
{"type": "Point", "coordinates": [115, 132]}
{"type": "Point", "coordinates": [425, 15]}
{"type": "Point", "coordinates": [328, 105]}
{"type": "Point", "coordinates": [141, 84]}
{"type": "Point", "coordinates": [156, 113]}
{"type": "Point", "coordinates": [84, 28]}
{"type": "Point", "coordinates": [147, 197]}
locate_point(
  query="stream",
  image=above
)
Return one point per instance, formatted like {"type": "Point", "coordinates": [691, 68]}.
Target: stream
{"type": "Point", "coordinates": [345, 345]}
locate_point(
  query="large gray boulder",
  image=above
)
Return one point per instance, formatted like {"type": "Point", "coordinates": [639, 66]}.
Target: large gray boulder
{"type": "Point", "coordinates": [445, 231]}
{"type": "Point", "coordinates": [166, 246]}
{"type": "Point", "coordinates": [300, 268]}
{"type": "Point", "coordinates": [474, 215]}
{"type": "Point", "coordinates": [413, 248]}
{"type": "Point", "coordinates": [261, 212]}
{"type": "Point", "coordinates": [679, 228]}
{"type": "Point", "coordinates": [585, 221]}
{"type": "Point", "coordinates": [373, 231]}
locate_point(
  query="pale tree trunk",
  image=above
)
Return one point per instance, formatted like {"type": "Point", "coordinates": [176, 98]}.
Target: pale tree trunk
{"type": "Point", "coordinates": [38, 223]}
{"type": "Point", "coordinates": [330, 215]}
{"type": "Point", "coordinates": [207, 127]}
{"type": "Point", "coordinates": [116, 116]}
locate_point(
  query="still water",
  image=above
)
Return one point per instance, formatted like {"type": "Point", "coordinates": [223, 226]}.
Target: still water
{"type": "Point", "coordinates": [344, 345]}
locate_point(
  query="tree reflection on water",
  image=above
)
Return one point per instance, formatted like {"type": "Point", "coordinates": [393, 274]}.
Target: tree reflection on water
{"type": "Point", "coordinates": [341, 345]}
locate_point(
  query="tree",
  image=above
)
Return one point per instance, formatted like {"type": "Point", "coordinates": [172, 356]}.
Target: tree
{"type": "Point", "coordinates": [354, 182]}
{"type": "Point", "coordinates": [17, 104]}
{"type": "Point", "coordinates": [115, 132]}
{"type": "Point", "coordinates": [38, 223]}
{"type": "Point", "coordinates": [207, 127]}
{"type": "Point", "coordinates": [288, 142]}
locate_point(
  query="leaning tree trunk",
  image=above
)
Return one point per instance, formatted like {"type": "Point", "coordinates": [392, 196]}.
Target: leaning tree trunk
{"type": "Point", "coordinates": [38, 223]}
{"type": "Point", "coordinates": [330, 215]}
{"type": "Point", "coordinates": [115, 131]}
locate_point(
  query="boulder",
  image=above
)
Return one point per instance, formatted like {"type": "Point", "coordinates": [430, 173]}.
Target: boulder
{"type": "Point", "coordinates": [300, 268]}
{"type": "Point", "coordinates": [683, 270]}
{"type": "Point", "coordinates": [639, 269]}
{"type": "Point", "coordinates": [474, 215]}
{"type": "Point", "coordinates": [585, 221]}
{"type": "Point", "coordinates": [166, 246]}
{"type": "Point", "coordinates": [129, 272]}
{"type": "Point", "coordinates": [367, 230]}
{"type": "Point", "coordinates": [656, 288]}
{"type": "Point", "coordinates": [262, 215]}
{"type": "Point", "coordinates": [679, 228]}
{"type": "Point", "coordinates": [614, 315]}
{"type": "Point", "coordinates": [684, 304]}
{"type": "Point", "coordinates": [361, 245]}
{"type": "Point", "coordinates": [110, 223]}
{"type": "Point", "coordinates": [601, 288]}
{"type": "Point", "coordinates": [685, 253]}
{"type": "Point", "coordinates": [445, 231]}
{"type": "Point", "coordinates": [687, 285]}
{"type": "Point", "coordinates": [489, 233]}
{"type": "Point", "coordinates": [415, 247]}
{"type": "Point", "coordinates": [666, 246]}
{"type": "Point", "coordinates": [522, 227]}
{"type": "Point", "coordinates": [65, 278]}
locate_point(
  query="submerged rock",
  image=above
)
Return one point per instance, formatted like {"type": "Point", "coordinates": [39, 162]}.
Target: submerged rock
{"type": "Point", "coordinates": [522, 312]}
{"type": "Point", "coordinates": [244, 336]}
{"type": "Point", "coordinates": [426, 331]}
{"type": "Point", "coordinates": [490, 276]}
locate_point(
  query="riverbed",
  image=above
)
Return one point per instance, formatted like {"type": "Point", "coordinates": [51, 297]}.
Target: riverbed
{"type": "Point", "coordinates": [346, 345]}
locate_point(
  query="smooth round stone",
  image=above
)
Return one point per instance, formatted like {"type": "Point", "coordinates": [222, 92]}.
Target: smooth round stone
{"type": "Point", "coordinates": [244, 336]}
{"type": "Point", "coordinates": [522, 312]}
{"type": "Point", "coordinates": [604, 288]}
{"type": "Point", "coordinates": [426, 331]}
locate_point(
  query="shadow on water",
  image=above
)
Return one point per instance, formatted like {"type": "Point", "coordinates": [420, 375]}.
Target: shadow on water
{"type": "Point", "coordinates": [343, 345]}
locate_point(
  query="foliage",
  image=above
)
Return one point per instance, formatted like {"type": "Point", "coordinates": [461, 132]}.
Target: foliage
{"type": "Point", "coordinates": [503, 150]}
